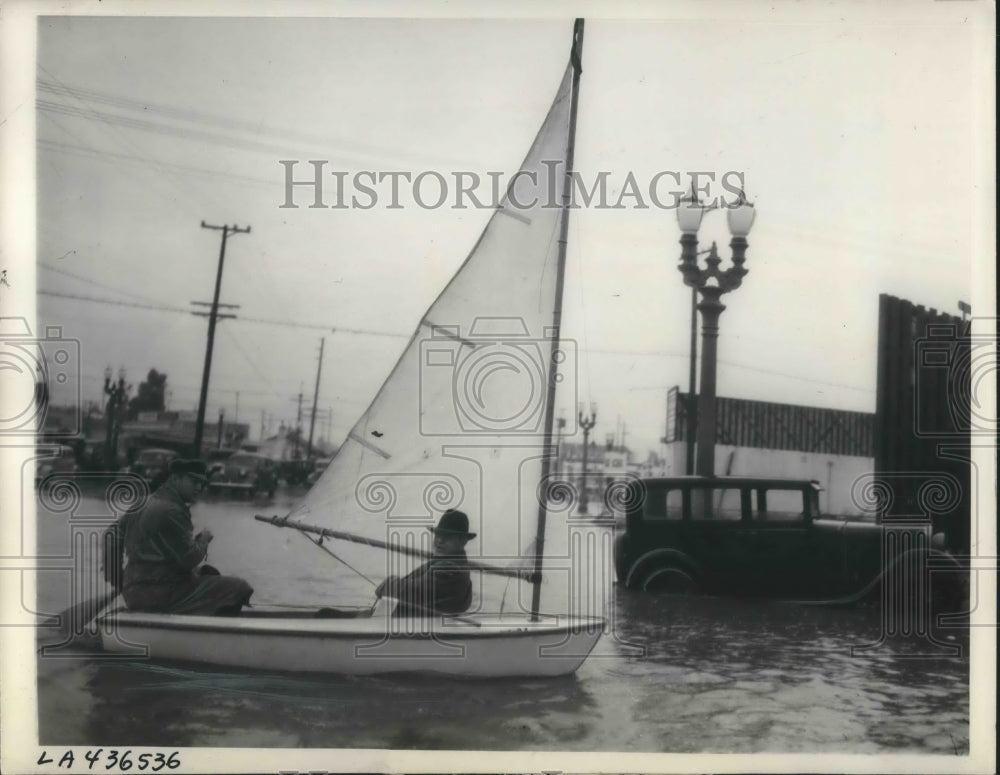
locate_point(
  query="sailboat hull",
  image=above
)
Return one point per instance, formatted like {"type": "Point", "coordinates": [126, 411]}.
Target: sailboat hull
{"type": "Point", "coordinates": [479, 645]}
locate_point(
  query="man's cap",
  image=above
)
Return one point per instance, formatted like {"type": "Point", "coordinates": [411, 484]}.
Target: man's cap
{"type": "Point", "coordinates": [195, 468]}
{"type": "Point", "coordinates": [453, 523]}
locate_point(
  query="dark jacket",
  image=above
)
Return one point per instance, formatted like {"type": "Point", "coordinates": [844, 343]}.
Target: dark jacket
{"type": "Point", "coordinates": [442, 585]}
{"type": "Point", "coordinates": [162, 557]}
{"type": "Point", "coordinates": [164, 535]}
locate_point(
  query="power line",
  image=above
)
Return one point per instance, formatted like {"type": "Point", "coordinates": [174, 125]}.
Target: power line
{"type": "Point", "coordinates": [250, 361]}
{"type": "Point", "coordinates": [81, 278]}
{"type": "Point", "coordinates": [242, 318]}
{"type": "Point", "coordinates": [346, 148]}
{"type": "Point", "coordinates": [114, 302]}
{"type": "Point", "coordinates": [153, 127]}
{"type": "Point", "coordinates": [181, 192]}
{"type": "Point", "coordinates": [371, 332]}
{"type": "Point", "coordinates": [82, 150]}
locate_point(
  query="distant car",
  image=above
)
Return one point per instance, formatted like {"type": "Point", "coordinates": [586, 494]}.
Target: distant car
{"type": "Point", "coordinates": [295, 471]}
{"type": "Point", "coordinates": [153, 465]}
{"type": "Point", "coordinates": [319, 466]}
{"type": "Point", "coordinates": [244, 472]}
{"type": "Point", "coordinates": [758, 537]}
{"type": "Point", "coordinates": [62, 461]}
{"type": "Point", "coordinates": [216, 460]}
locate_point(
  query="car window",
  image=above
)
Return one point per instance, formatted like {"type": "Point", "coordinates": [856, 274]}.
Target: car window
{"type": "Point", "coordinates": [674, 503]}
{"type": "Point", "coordinates": [725, 504]}
{"type": "Point", "coordinates": [778, 505]}
{"type": "Point", "coordinates": [661, 505]}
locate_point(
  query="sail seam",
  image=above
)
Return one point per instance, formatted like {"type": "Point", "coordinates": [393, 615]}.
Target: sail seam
{"type": "Point", "coordinates": [368, 445]}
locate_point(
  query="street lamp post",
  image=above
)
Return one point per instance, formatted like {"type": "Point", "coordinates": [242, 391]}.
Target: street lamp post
{"type": "Point", "coordinates": [587, 424]}
{"type": "Point", "coordinates": [711, 283]}
{"type": "Point", "coordinates": [117, 394]}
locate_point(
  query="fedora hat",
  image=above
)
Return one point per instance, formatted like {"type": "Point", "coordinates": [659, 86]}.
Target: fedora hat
{"type": "Point", "coordinates": [453, 523]}
{"type": "Point", "coordinates": [193, 468]}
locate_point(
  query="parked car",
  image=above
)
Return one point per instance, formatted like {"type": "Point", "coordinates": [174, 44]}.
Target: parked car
{"type": "Point", "coordinates": [244, 472]}
{"type": "Point", "coordinates": [295, 471]}
{"type": "Point", "coordinates": [319, 466]}
{"type": "Point", "coordinates": [153, 465]}
{"type": "Point", "coordinates": [61, 461]}
{"type": "Point", "coordinates": [757, 537]}
{"type": "Point", "coordinates": [216, 458]}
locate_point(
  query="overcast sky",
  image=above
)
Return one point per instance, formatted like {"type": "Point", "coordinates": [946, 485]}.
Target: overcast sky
{"type": "Point", "coordinates": [864, 137]}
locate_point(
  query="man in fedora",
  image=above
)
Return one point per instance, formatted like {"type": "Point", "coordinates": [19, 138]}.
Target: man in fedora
{"type": "Point", "coordinates": [443, 584]}
{"type": "Point", "coordinates": [164, 554]}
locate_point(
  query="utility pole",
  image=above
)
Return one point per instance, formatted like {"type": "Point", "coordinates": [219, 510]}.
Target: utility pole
{"type": "Point", "coordinates": [312, 420]}
{"type": "Point", "coordinates": [212, 316]}
{"type": "Point", "coordinates": [263, 416]}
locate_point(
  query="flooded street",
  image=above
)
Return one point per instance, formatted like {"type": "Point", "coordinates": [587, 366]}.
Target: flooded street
{"type": "Point", "coordinates": [672, 675]}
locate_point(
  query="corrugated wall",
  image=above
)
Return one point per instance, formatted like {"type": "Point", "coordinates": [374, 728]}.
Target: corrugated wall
{"type": "Point", "coordinates": [766, 425]}
{"type": "Point", "coordinates": [922, 417]}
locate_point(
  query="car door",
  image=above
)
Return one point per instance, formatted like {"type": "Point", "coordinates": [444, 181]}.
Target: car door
{"type": "Point", "coordinates": [720, 539]}
{"type": "Point", "coordinates": [783, 542]}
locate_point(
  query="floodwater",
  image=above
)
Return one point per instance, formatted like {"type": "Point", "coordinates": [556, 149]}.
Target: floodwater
{"type": "Point", "coordinates": [670, 675]}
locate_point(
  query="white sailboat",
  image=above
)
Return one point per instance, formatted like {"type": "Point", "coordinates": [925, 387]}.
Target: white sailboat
{"type": "Point", "coordinates": [464, 420]}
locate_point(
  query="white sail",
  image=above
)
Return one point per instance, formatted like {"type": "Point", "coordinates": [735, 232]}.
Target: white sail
{"type": "Point", "coordinates": [460, 421]}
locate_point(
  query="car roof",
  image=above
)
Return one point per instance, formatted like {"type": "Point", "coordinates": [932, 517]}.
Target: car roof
{"type": "Point", "coordinates": [158, 450]}
{"type": "Point", "coordinates": [730, 481]}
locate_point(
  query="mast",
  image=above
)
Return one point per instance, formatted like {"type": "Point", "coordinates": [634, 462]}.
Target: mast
{"type": "Point", "coordinates": [576, 54]}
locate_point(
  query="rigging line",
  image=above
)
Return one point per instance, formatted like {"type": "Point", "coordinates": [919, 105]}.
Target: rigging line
{"type": "Point", "coordinates": [56, 270]}
{"type": "Point", "coordinates": [319, 543]}
{"type": "Point", "coordinates": [183, 168]}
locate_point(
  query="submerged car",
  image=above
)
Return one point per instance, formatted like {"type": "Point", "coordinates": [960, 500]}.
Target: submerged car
{"type": "Point", "coordinates": [761, 537]}
{"type": "Point", "coordinates": [153, 465]}
{"type": "Point", "coordinates": [246, 473]}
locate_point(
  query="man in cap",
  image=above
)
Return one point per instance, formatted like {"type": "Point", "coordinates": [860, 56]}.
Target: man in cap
{"type": "Point", "coordinates": [164, 554]}
{"type": "Point", "coordinates": [443, 584]}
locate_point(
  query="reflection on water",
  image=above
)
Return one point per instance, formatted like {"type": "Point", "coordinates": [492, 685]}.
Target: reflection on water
{"type": "Point", "coordinates": [676, 675]}
{"type": "Point", "coordinates": [138, 703]}
{"type": "Point", "coordinates": [673, 675]}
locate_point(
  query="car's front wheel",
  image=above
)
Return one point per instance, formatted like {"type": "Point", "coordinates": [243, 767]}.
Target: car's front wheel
{"type": "Point", "coordinates": [670, 580]}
